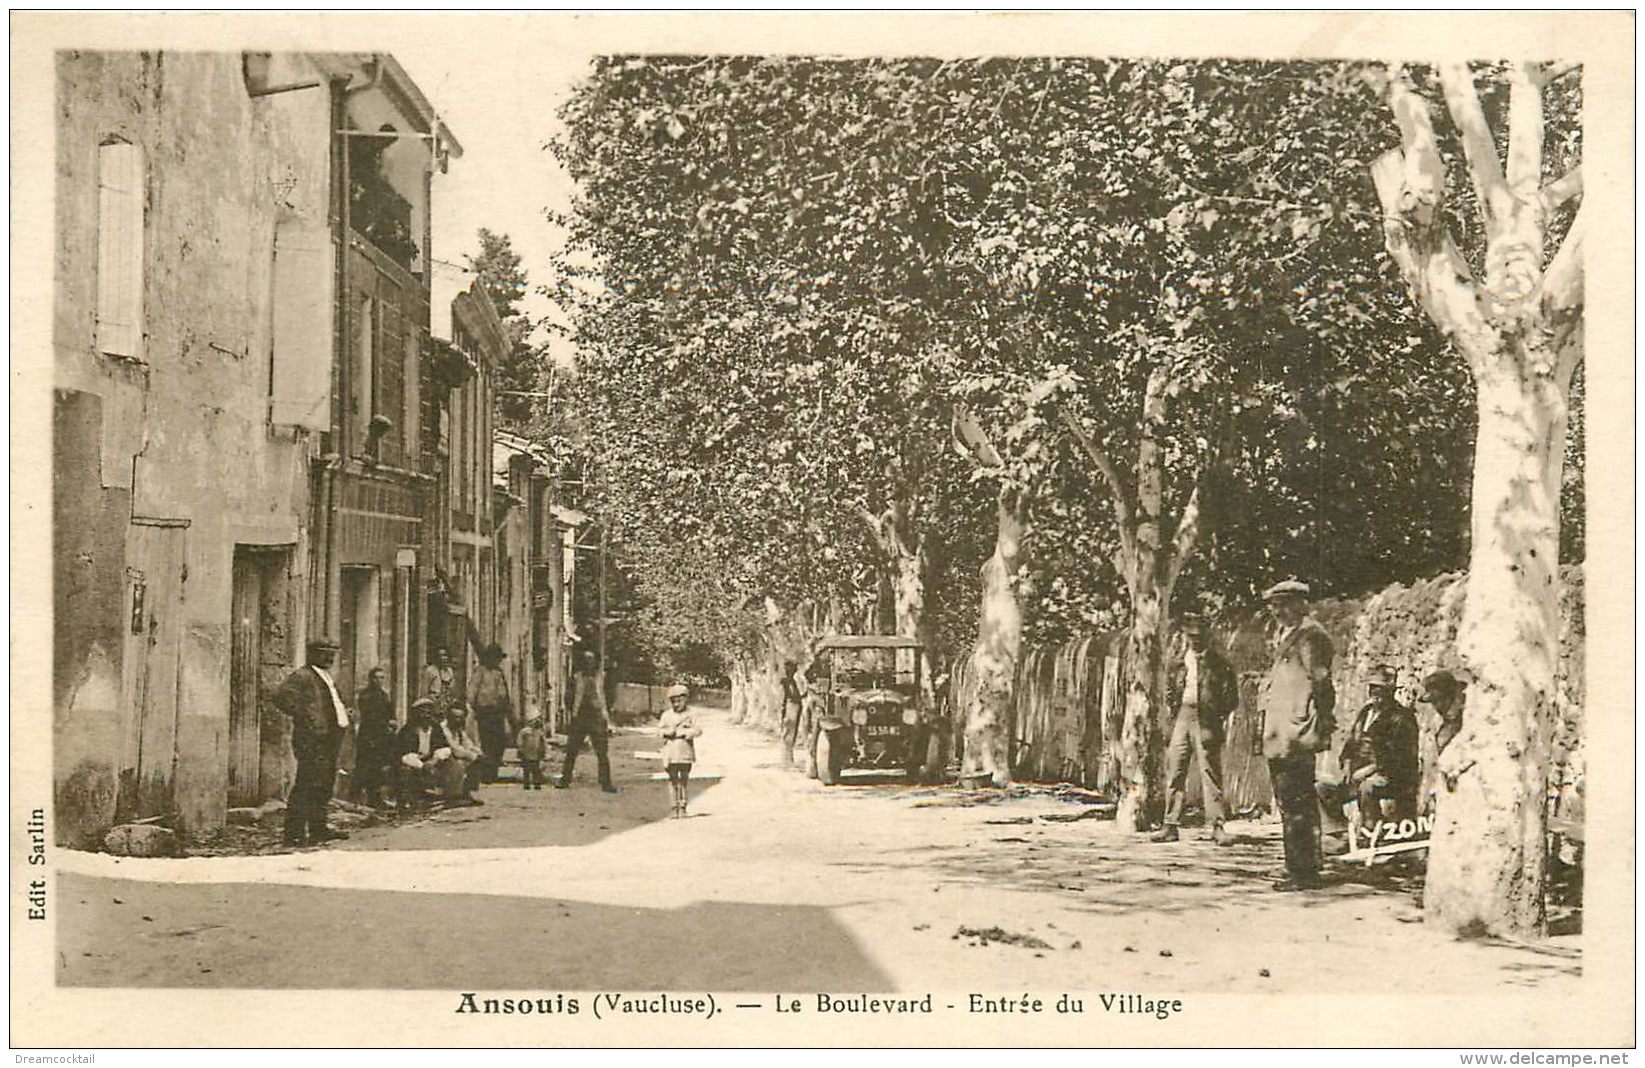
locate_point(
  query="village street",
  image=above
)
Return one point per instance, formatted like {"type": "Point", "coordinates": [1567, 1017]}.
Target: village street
{"type": "Point", "coordinates": [774, 883]}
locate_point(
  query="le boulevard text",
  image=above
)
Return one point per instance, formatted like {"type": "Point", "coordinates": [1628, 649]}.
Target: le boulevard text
{"type": "Point", "coordinates": [604, 1005]}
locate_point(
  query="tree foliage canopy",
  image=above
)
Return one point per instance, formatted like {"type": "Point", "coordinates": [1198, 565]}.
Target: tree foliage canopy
{"type": "Point", "coordinates": [787, 274]}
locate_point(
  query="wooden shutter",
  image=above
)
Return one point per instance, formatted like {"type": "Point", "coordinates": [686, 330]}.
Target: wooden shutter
{"type": "Point", "coordinates": [304, 264]}
{"type": "Point", "coordinates": [120, 250]}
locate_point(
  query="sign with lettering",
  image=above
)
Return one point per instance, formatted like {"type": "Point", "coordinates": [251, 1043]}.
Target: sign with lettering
{"type": "Point", "coordinates": [1388, 837]}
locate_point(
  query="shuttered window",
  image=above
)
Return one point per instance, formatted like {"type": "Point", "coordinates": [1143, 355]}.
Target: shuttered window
{"type": "Point", "coordinates": [120, 249]}
{"type": "Point", "coordinates": [300, 379]}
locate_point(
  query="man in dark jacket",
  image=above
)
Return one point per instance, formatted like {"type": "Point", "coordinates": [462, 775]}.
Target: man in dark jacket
{"type": "Point", "coordinates": [590, 722]}
{"type": "Point", "coordinates": [374, 745]}
{"type": "Point", "coordinates": [1296, 703]}
{"type": "Point", "coordinates": [1202, 692]}
{"type": "Point", "coordinates": [318, 720]}
{"type": "Point", "coordinates": [488, 697]}
{"type": "Point", "coordinates": [426, 759]}
{"type": "Point", "coordinates": [1379, 758]}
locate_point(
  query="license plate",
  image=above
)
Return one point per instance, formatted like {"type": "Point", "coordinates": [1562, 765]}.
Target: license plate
{"type": "Point", "coordinates": [881, 732]}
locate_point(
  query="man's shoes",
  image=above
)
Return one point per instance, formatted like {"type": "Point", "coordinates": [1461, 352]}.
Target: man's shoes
{"type": "Point", "coordinates": [294, 840]}
{"type": "Point", "coordinates": [561, 784]}
{"type": "Point", "coordinates": [1167, 833]}
{"type": "Point", "coordinates": [1293, 883]}
{"type": "Point", "coordinates": [472, 800]}
{"type": "Point", "coordinates": [327, 835]}
{"type": "Point", "coordinates": [607, 788]}
{"type": "Point", "coordinates": [1220, 835]}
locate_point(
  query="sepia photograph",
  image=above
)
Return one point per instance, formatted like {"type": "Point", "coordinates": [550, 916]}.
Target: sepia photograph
{"type": "Point", "coordinates": [823, 530]}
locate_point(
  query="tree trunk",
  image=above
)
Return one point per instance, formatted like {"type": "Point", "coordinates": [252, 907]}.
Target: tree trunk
{"type": "Point", "coordinates": [1521, 333]}
{"type": "Point", "coordinates": [909, 583]}
{"type": "Point", "coordinates": [1144, 670]}
{"type": "Point", "coordinates": [990, 719]}
{"type": "Point", "coordinates": [1490, 836]}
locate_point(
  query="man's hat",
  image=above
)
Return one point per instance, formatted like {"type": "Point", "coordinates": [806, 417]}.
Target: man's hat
{"type": "Point", "coordinates": [1442, 679]}
{"type": "Point", "coordinates": [428, 703]}
{"type": "Point", "coordinates": [496, 650]}
{"type": "Point", "coordinates": [678, 690]}
{"type": "Point", "coordinates": [1194, 623]}
{"type": "Point", "coordinates": [1288, 589]}
{"type": "Point", "coordinates": [1381, 675]}
{"type": "Point", "coordinates": [317, 644]}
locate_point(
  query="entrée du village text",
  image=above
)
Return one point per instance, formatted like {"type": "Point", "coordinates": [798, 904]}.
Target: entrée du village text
{"type": "Point", "coordinates": [704, 1005]}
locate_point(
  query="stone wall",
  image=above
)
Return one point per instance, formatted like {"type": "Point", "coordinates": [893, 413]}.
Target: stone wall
{"type": "Point", "coordinates": [1069, 697]}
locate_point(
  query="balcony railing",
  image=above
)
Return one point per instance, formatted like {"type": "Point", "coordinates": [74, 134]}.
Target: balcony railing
{"type": "Point", "coordinates": [383, 217]}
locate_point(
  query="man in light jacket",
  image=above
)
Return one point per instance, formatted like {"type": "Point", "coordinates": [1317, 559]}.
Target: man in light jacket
{"type": "Point", "coordinates": [1296, 703]}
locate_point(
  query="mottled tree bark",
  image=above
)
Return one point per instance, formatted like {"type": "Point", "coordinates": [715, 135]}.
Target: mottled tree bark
{"type": "Point", "coordinates": [990, 721]}
{"type": "Point", "coordinates": [1149, 568]}
{"type": "Point", "coordinates": [1521, 334]}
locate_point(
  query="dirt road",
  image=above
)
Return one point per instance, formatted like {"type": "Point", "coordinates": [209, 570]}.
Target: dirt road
{"type": "Point", "coordinates": [775, 883]}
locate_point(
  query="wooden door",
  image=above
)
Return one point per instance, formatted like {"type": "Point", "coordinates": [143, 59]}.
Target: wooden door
{"type": "Point", "coordinates": [154, 601]}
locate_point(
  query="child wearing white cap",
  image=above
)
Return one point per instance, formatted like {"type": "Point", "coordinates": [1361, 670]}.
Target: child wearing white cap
{"type": "Point", "coordinates": [679, 753]}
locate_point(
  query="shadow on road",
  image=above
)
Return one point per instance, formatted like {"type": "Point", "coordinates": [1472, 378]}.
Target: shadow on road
{"type": "Point", "coordinates": [241, 935]}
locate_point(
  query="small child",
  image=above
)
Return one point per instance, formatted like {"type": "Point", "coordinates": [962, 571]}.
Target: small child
{"type": "Point", "coordinates": [678, 729]}
{"type": "Point", "coordinates": [533, 746]}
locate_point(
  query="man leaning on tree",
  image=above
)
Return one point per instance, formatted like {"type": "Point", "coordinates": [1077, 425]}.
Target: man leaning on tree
{"type": "Point", "coordinates": [1296, 703]}
{"type": "Point", "coordinates": [1201, 692]}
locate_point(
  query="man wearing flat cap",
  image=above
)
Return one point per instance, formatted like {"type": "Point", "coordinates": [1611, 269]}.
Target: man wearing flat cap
{"type": "Point", "coordinates": [1201, 692]}
{"type": "Point", "coordinates": [318, 720]}
{"type": "Point", "coordinates": [1296, 702]}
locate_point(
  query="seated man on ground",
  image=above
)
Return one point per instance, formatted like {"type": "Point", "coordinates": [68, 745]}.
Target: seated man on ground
{"type": "Point", "coordinates": [466, 752]}
{"type": "Point", "coordinates": [429, 762]}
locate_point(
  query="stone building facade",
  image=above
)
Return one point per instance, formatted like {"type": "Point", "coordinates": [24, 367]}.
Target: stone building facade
{"type": "Point", "coordinates": [211, 289]}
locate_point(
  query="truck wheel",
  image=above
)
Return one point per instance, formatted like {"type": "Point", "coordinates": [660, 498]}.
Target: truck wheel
{"type": "Point", "coordinates": [825, 759]}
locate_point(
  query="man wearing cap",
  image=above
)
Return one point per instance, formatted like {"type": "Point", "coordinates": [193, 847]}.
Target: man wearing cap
{"type": "Point", "coordinates": [590, 721]}
{"type": "Point", "coordinates": [1201, 692]}
{"type": "Point", "coordinates": [1296, 701]}
{"type": "Point", "coordinates": [1379, 757]}
{"type": "Point", "coordinates": [426, 760]}
{"type": "Point", "coordinates": [318, 720]}
{"type": "Point", "coordinates": [488, 697]}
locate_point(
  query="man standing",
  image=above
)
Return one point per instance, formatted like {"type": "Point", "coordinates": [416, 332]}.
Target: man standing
{"type": "Point", "coordinates": [488, 696]}
{"type": "Point", "coordinates": [318, 720]}
{"type": "Point", "coordinates": [1296, 703]}
{"type": "Point", "coordinates": [440, 680]}
{"type": "Point", "coordinates": [374, 744]}
{"type": "Point", "coordinates": [590, 721]}
{"type": "Point", "coordinates": [793, 702]}
{"type": "Point", "coordinates": [1201, 690]}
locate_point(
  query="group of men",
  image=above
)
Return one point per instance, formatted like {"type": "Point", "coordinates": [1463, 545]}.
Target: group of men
{"type": "Point", "coordinates": [1380, 770]}
{"type": "Point", "coordinates": [446, 748]}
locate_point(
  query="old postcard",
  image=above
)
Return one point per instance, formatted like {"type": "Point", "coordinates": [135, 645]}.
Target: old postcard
{"type": "Point", "coordinates": [823, 530]}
